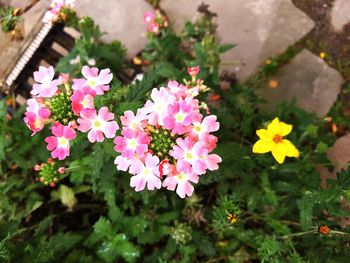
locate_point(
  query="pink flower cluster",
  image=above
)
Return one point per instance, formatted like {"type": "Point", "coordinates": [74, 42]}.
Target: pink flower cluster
{"type": "Point", "coordinates": [168, 142]}
{"type": "Point", "coordinates": [155, 22]}
{"type": "Point", "coordinates": [69, 108]}
{"type": "Point", "coordinates": [56, 7]}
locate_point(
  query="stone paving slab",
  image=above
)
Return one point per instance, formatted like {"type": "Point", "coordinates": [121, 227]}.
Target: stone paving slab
{"type": "Point", "coordinates": [307, 78]}
{"type": "Point", "coordinates": [340, 15]}
{"type": "Point", "coordinates": [260, 28]}
{"type": "Point", "coordinates": [120, 19]}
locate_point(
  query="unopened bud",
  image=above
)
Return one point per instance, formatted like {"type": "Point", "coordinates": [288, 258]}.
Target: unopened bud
{"type": "Point", "coordinates": [61, 170]}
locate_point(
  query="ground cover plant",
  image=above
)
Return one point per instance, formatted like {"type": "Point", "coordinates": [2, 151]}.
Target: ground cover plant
{"type": "Point", "coordinates": [175, 167]}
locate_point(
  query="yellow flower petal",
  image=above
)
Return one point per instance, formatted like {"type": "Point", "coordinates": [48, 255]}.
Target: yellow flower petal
{"type": "Point", "coordinates": [292, 151]}
{"type": "Point", "coordinates": [279, 152]}
{"type": "Point", "coordinates": [279, 128]}
{"type": "Point", "coordinates": [274, 126]}
{"type": "Point", "coordinates": [262, 146]}
{"type": "Point", "coordinates": [264, 134]}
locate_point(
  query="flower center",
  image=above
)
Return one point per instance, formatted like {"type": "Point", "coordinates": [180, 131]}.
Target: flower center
{"type": "Point", "coordinates": [189, 156]}
{"type": "Point", "coordinates": [62, 141]}
{"type": "Point", "coordinates": [87, 102]}
{"type": "Point", "coordinates": [91, 83]}
{"type": "Point", "coordinates": [132, 143]}
{"type": "Point", "coordinates": [97, 124]}
{"type": "Point", "coordinates": [37, 123]}
{"type": "Point", "coordinates": [181, 176]}
{"type": "Point", "coordinates": [61, 108]}
{"type": "Point", "coordinates": [277, 138]}
{"type": "Point", "coordinates": [198, 128]}
{"type": "Point", "coordinates": [162, 141]}
{"type": "Point", "coordinates": [146, 171]}
{"type": "Point", "coordinates": [179, 117]}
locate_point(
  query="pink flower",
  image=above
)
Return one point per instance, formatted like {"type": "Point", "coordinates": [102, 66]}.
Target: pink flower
{"type": "Point", "coordinates": [122, 163]}
{"type": "Point", "coordinates": [182, 181]}
{"type": "Point", "coordinates": [36, 116]}
{"type": "Point", "coordinates": [59, 143]}
{"type": "Point", "coordinates": [212, 161]}
{"type": "Point", "coordinates": [157, 109]}
{"type": "Point", "coordinates": [148, 17]}
{"type": "Point", "coordinates": [146, 172]}
{"type": "Point", "coordinates": [130, 121]}
{"type": "Point", "coordinates": [202, 128]}
{"type": "Point", "coordinates": [82, 99]}
{"type": "Point", "coordinates": [131, 143]}
{"type": "Point", "coordinates": [97, 124]}
{"type": "Point", "coordinates": [179, 119]}
{"type": "Point", "coordinates": [193, 71]}
{"type": "Point", "coordinates": [190, 155]}
{"type": "Point", "coordinates": [153, 28]}
{"type": "Point", "coordinates": [177, 89]}
{"type": "Point", "coordinates": [94, 80]}
{"type": "Point", "coordinates": [46, 86]}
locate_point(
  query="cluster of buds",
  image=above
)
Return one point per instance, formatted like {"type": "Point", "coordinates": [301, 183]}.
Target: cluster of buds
{"type": "Point", "coordinates": [168, 142]}
{"type": "Point", "coordinates": [55, 13]}
{"type": "Point", "coordinates": [155, 22]}
{"type": "Point", "coordinates": [69, 106]}
{"type": "Point", "coordinates": [49, 172]}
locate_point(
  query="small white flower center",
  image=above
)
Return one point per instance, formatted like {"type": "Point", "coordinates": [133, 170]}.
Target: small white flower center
{"type": "Point", "coordinates": [147, 172]}
{"type": "Point", "coordinates": [97, 124]}
{"type": "Point", "coordinates": [85, 102]}
{"type": "Point", "coordinates": [132, 143]}
{"type": "Point", "coordinates": [189, 156]}
{"type": "Point", "coordinates": [62, 141]}
{"type": "Point", "coordinates": [133, 125]}
{"type": "Point", "coordinates": [179, 117]}
{"type": "Point", "coordinates": [37, 123]}
{"type": "Point", "coordinates": [92, 83]}
{"type": "Point", "coordinates": [197, 128]}
{"type": "Point", "coordinates": [181, 176]}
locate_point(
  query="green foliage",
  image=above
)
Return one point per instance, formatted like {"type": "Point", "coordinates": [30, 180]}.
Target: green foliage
{"type": "Point", "coordinates": [8, 18]}
{"type": "Point", "coordinates": [93, 215]}
{"type": "Point", "coordinates": [89, 50]}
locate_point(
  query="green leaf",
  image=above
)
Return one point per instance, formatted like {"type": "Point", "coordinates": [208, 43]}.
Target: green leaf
{"type": "Point", "coordinates": [225, 48]}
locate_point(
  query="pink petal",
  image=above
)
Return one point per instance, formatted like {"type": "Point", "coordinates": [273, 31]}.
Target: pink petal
{"type": "Point", "coordinates": [69, 133]}
{"type": "Point", "coordinates": [105, 76]}
{"type": "Point", "coordinates": [105, 115]}
{"type": "Point", "coordinates": [89, 72]}
{"type": "Point", "coordinates": [84, 125]}
{"type": "Point", "coordinates": [51, 142]}
{"type": "Point", "coordinates": [110, 128]}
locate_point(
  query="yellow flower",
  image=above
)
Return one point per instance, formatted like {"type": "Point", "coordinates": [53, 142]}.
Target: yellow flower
{"type": "Point", "coordinates": [271, 139]}
{"type": "Point", "coordinates": [323, 55]}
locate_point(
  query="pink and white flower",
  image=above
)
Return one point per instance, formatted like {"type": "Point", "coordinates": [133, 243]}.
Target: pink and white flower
{"type": "Point", "coordinates": [122, 163]}
{"type": "Point", "coordinates": [82, 99]}
{"type": "Point", "coordinates": [179, 119]}
{"type": "Point", "coordinates": [148, 17]}
{"type": "Point", "coordinates": [190, 155]}
{"type": "Point", "coordinates": [46, 86]}
{"type": "Point", "coordinates": [59, 142]}
{"type": "Point", "coordinates": [182, 182]}
{"type": "Point", "coordinates": [97, 81]}
{"type": "Point", "coordinates": [177, 89]}
{"type": "Point", "coordinates": [154, 28]}
{"type": "Point", "coordinates": [157, 109]}
{"type": "Point", "coordinates": [132, 142]}
{"type": "Point", "coordinates": [36, 116]}
{"type": "Point", "coordinates": [202, 128]}
{"type": "Point", "coordinates": [56, 7]}
{"type": "Point", "coordinates": [146, 173]}
{"type": "Point", "coordinates": [97, 124]}
{"type": "Point", "coordinates": [168, 142]}
{"type": "Point", "coordinates": [132, 121]}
